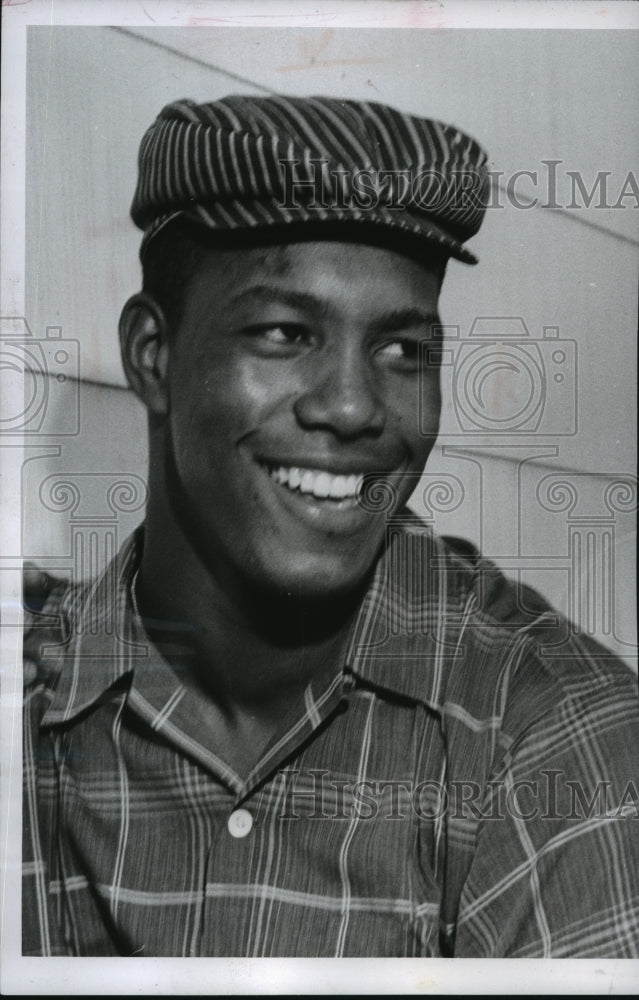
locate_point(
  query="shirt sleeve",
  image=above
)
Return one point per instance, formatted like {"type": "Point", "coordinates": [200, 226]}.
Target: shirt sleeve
{"type": "Point", "coordinates": [555, 870]}
{"type": "Point", "coordinates": [41, 908]}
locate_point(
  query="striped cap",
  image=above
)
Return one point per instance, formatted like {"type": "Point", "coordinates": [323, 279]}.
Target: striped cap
{"type": "Point", "coordinates": [256, 162]}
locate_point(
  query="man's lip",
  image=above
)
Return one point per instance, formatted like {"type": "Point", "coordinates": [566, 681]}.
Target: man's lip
{"type": "Point", "coordinates": [334, 516]}
{"type": "Point", "coordinates": [334, 466]}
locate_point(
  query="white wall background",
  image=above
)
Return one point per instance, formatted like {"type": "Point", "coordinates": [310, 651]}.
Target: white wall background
{"type": "Point", "coordinates": [528, 96]}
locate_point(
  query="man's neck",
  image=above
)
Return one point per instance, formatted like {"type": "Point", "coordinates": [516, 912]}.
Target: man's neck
{"type": "Point", "coordinates": [251, 653]}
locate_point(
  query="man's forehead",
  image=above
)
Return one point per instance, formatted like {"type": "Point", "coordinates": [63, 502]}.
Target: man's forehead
{"type": "Point", "coordinates": [330, 263]}
{"type": "Point", "coordinates": [349, 286]}
{"type": "Point", "coordinates": [277, 259]}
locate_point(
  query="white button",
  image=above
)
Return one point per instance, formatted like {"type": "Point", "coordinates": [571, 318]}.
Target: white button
{"type": "Point", "coordinates": [240, 823]}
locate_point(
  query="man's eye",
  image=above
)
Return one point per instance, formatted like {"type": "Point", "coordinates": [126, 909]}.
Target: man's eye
{"type": "Point", "coordinates": [402, 353]}
{"type": "Point", "coordinates": [279, 334]}
{"type": "Point", "coordinates": [282, 334]}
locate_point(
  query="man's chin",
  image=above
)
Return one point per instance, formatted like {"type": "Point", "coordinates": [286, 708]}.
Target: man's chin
{"type": "Point", "coordinates": [316, 581]}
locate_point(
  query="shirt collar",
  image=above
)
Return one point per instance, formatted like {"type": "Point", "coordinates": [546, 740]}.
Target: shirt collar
{"type": "Point", "coordinates": [401, 642]}
{"type": "Point", "coordinates": [103, 643]}
{"type": "Point", "coordinates": [408, 637]}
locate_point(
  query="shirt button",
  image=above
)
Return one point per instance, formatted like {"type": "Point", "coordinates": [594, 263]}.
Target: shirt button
{"type": "Point", "coordinates": [240, 823]}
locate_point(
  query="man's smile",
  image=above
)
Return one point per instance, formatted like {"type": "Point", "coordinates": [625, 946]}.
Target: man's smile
{"type": "Point", "coordinates": [326, 501]}
{"type": "Point", "coordinates": [318, 483]}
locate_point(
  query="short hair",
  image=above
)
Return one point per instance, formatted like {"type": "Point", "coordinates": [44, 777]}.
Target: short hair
{"type": "Point", "coordinates": [169, 262]}
{"type": "Point", "coordinates": [174, 255]}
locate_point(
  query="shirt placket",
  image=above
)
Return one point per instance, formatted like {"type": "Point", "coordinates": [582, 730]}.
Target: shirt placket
{"type": "Point", "coordinates": [237, 840]}
{"type": "Point", "coordinates": [241, 862]}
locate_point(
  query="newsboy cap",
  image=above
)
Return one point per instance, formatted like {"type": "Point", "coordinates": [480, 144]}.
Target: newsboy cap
{"type": "Point", "coordinates": [244, 163]}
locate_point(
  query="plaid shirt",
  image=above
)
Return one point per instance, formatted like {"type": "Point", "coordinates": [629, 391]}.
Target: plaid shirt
{"type": "Point", "coordinates": [462, 786]}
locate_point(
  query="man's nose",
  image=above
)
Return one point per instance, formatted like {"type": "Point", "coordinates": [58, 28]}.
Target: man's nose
{"type": "Point", "coordinates": [342, 395]}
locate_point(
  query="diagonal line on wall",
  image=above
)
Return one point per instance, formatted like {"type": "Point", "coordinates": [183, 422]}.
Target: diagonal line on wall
{"type": "Point", "coordinates": [572, 217]}
{"type": "Point", "coordinates": [193, 59]}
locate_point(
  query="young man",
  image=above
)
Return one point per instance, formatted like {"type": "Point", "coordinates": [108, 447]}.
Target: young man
{"type": "Point", "coordinates": [288, 719]}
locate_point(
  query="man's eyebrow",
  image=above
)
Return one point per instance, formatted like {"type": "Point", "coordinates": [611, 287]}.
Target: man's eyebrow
{"type": "Point", "coordinates": [388, 322]}
{"type": "Point", "coordinates": [283, 296]}
{"type": "Point", "coordinates": [404, 319]}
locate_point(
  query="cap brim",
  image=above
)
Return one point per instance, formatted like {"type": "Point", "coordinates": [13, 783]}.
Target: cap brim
{"type": "Point", "coordinates": [275, 220]}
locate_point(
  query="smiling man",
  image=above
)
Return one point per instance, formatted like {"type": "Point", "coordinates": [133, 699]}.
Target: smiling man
{"type": "Point", "coordinates": [291, 377]}
{"type": "Point", "coordinates": [288, 719]}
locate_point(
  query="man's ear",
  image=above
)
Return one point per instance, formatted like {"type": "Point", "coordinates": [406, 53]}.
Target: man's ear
{"type": "Point", "coordinates": [144, 345]}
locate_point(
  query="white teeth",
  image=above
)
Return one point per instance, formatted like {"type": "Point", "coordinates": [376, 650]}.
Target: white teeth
{"type": "Point", "coordinates": [294, 478]}
{"type": "Point", "coordinates": [307, 482]}
{"type": "Point", "coordinates": [320, 483]}
{"type": "Point", "coordinates": [339, 487]}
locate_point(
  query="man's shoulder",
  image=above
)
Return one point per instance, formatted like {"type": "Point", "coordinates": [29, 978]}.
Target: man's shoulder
{"type": "Point", "coordinates": [57, 611]}
{"type": "Point", "coordinates": [47, 630]}
{"type": "Point", "coordinates": [507, 642]}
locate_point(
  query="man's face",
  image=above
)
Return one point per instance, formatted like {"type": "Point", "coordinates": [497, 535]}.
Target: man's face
{"type": "Point", "coordinates": [293, 373]}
